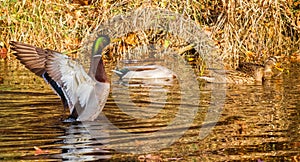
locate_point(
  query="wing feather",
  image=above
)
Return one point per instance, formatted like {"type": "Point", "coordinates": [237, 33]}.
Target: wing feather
{"type": "Point", "coordinates": [77, 86]}
{"type": "Point", "coordinates": [34, 58]}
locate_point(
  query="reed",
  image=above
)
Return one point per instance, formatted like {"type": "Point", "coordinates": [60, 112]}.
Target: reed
{"type": "Point", "coordinates": [242, 30]}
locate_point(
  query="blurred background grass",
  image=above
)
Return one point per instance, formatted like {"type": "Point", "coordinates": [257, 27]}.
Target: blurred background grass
{"type": "Point", "coordinates": [242, 30]}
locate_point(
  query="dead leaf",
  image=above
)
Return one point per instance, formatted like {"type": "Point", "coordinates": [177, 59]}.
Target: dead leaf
{"type": "Point", "coordinates": [131, 39]}
{"type": "Point", "coordinates": [150, 158]}
{"type": "Point", "coordinates": [3, 51]}
{"type": "Point", "coordinates": [39, 151]}
{"type": "Point", "coordinates": [81, 2]}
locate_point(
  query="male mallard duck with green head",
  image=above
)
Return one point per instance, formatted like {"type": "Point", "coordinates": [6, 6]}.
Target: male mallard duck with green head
{"type": "Point", "coordinates": [145, 75]}
{"type": "Point", "coordinates": [84, 94]}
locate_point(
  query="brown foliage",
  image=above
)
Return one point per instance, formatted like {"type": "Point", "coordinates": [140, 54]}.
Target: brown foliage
{"type": "Point", "coordinates": [259, 27]}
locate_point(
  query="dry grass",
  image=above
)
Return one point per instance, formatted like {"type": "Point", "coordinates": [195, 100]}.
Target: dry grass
{"type": "Point", "coordinates": [257, 29]}
{"type": "Point", "coordinates": [51, 24]}
{"type": "Point", "coordinates": [241, 29]}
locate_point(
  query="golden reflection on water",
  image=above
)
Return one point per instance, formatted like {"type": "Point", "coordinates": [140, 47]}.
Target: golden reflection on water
{"type": "Point", "coordinates": [257, 122]}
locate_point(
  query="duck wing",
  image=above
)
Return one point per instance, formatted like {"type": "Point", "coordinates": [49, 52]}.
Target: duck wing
{"type": "Point", "coordinates": [34, 59]}
{"type": "Point", "coordinates": [84, 93]}
{"type": "Point", "coordinates": [249, 68]}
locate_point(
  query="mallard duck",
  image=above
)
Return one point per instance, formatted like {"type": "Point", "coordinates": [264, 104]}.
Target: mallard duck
{"type": "Point", "coordinates": [145, 75]}
{"type": "Point", "coordinates": [234, 77]}
{"type": "Point", "coordinates": [246, 73]}
{"type": "Point", "coordinates": [84, 94]}
{"type": "Point", "coordinates": [268, 66]}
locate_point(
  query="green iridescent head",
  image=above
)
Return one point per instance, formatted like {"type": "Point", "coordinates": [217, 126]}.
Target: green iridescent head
{"type": "Point", "coordinates": [100, 43]}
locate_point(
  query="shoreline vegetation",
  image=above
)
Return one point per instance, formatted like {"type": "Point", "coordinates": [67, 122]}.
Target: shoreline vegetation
{"type": "Point", "coordinates": [242, 30]}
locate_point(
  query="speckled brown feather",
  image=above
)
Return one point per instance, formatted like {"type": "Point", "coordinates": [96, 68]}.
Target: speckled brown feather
{"type": "Point", "coordinates": [248, 67]}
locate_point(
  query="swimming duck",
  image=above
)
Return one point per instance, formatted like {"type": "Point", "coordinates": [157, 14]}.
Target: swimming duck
{"type": "Point", "coordinates": [246, 73]}
{"type": "Point", "coordinates": [249, 68]}
{"type": "Point", "coordinates": [145, 75]}
{"type": "Point", "coordinates": [83, 93]}
{"type": "Point", "coordinates": [234, 77]}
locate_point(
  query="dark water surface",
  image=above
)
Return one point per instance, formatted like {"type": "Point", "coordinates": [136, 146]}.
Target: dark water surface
{"type": "Point", "coordinates": [257, 123]}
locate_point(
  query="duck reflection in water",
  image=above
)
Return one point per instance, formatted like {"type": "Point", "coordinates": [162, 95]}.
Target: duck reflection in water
{"type": "Point", "coordinates": [85, 142]}
{"type": "Point", "coordinates": [83, 94]}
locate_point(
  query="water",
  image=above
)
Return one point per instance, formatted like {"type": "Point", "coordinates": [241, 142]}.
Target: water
{"type": "Point", "coordinates": [258, 123]}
